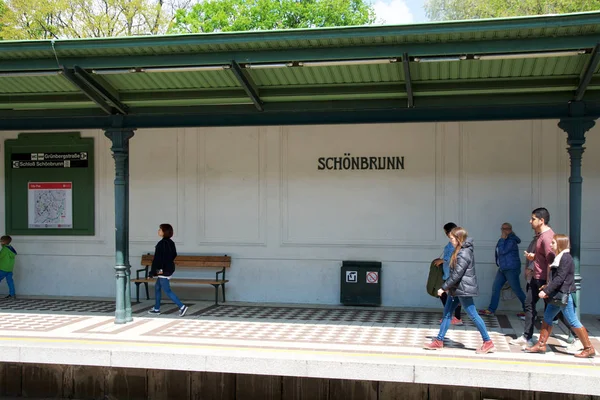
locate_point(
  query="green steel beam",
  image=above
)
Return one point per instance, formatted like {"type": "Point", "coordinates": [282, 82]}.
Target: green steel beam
{"type": "Point", "coordinates": [91, 94]}
{"type": "Point", "coordinates": [238, 116]}
{"type": "Point", "coordinates": [432, 105]}
{"type": "Point", "coordinates": [407, 81]}
{"type": "Point", "coordinates": [106, 92]}
{"type": "Point", "coordinates": [322, 53]}
{"type": "Point", "coordinates": [588, 73]}
{"type": "Point", "coordinates": [247, 84]}
{"type": "Point", "coordinates": [364, 116]}
{"type": "Point", "coordinates": [547, 23]}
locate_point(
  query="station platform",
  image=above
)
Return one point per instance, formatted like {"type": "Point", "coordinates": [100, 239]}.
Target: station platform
{"type": "Point", "coordinates": [301, 341]}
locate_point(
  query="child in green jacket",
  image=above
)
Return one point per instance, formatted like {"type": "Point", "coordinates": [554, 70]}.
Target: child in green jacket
{"type": "Point", "coordinates": [7, 264]}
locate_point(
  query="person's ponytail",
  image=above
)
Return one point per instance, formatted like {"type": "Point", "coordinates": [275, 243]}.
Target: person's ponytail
{"type": "Point", "coordinates": [460, 234]}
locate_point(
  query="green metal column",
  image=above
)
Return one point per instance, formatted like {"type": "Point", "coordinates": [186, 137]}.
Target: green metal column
{"type": "Point", "coordinates": [120, 149]}
{"type": "Point", "coordinates": [576, 127]}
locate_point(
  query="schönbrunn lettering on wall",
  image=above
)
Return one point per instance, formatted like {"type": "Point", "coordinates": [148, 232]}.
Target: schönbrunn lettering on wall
{"type": "Point", "coordinates": [349, 162]}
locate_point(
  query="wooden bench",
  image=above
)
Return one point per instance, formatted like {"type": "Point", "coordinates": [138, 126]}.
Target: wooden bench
{"type": "Point", "coordinates": [187, 262]}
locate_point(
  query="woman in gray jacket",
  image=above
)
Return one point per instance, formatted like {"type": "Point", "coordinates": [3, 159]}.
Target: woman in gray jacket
{"type": "Point", "coordinates": [462, 287]}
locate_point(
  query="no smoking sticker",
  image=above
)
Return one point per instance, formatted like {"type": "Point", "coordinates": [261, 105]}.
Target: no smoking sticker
{"type": "Point", "coordinates": [372, 277]}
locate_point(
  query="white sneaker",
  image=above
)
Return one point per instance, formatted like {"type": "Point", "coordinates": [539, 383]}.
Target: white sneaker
{"type": "Point", "coordinates": [522, 341]}
{"type": "Point", "coordinates": [575, 347]}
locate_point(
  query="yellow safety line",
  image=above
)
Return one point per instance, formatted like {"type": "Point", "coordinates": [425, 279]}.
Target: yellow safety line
{"type": "Point", "coordinates": [483, 358]}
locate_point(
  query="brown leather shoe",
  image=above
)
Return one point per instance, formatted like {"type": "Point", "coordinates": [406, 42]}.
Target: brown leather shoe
{"type": "Point", "coordinates": [540, 346]}
{"type": "Point", "coordinates": [588, 349]}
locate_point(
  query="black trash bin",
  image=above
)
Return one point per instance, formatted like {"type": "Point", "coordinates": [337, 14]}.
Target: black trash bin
{"type": "Point", "coordinates": [360, 283]}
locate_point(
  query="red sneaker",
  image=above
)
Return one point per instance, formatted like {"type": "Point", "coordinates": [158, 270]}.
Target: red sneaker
{"type": "Point", "coordinates": [434, 345]}
{"type": "Point", "coordinates": [456, 321]}
{"type": "Point", "coordinates": [486, 347]}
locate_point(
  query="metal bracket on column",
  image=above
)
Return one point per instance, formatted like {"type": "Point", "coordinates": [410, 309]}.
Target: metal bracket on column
{"type": "Point", "coordinates": [407, 80]}
{"type": "Point", "coordinates": [586, 78]}
{"type": "Point", "coordinates": [247, 84]}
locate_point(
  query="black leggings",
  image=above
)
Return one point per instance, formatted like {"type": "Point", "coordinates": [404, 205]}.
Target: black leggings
{"type": "Point", "coordinates": [458, 310]}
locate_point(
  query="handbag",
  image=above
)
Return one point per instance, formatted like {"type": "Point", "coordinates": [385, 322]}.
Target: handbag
{"type": "Point", "coordinates": [558, 299]}
{"type": "Point", "coordinates": [435, 280]}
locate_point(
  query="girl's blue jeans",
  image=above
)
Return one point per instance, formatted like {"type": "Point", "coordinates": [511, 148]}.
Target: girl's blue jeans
{"type": "Point", "coordinates": [469, 307]}
{"type": "Point", "coordinates": [164, 284]}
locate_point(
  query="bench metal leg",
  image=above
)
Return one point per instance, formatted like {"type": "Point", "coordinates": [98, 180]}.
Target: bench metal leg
{"type": "Point", "coordinates": [216, 286]}
{"type": "Point", "coordinates": [137, 291]}
{"type": "Point", "coordinates": [223, 287]}
{"type": "Point", "coordinates": [147, 294]}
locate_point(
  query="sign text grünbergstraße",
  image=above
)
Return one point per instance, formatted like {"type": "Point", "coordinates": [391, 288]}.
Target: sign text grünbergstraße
{"type": "Point", "coordinates": [350, 162]}
{"type": "Point", "coordinates": [50, 160]}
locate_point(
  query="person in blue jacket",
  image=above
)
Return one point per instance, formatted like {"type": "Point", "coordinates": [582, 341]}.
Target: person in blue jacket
{"type": "Point", "coordinates": [509, 269]}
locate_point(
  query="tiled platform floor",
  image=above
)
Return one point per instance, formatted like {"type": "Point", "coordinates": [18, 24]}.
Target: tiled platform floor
{"type": "Point", "coordinates": [363, 344]}
{"type": "Point", "coordinates": [350, 329]}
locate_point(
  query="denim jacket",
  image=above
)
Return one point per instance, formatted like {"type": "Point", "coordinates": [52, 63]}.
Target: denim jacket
{"type": "Point", "coordinates": [448, 250]}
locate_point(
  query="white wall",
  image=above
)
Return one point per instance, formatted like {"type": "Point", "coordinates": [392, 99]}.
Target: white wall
{"type": "Point", "coordinates": [256, 194]}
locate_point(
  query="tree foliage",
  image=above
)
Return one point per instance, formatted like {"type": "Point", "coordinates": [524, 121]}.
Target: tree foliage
{"type": "Point", "coordinates": [248, 15]}
{"type": "Point", "coordinates": [60, 19]}
{"type": "Point", "coordinates": [449, 10]}
{"type": "Point", "coordinates": [50, 19]}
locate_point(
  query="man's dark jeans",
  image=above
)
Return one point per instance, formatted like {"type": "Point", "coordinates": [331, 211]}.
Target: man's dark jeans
{"type": "Point", "coordinates": [533, 291]}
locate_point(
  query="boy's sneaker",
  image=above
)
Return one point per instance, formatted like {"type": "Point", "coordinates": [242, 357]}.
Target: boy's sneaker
{"type": "Point", "coordinates": [486, 313]}
{"type": "Point", "coordinates": [522, 341]}
{"type": "Point", "coordinates": [521, 316]}
{"type": "Point", "coordinates": [434, 345]}
{"type": "Point", "coordinates": [575, 347]}
{"type": "Point", "coordinates": [486, 347]}
{"type": "Point", "coordinates": [456, 321]}
{"type": "Point", "coordinates": [183, 310]}
{"type": "Point", "coordinates": [10, 297]}
{"type": "Point", "coordinates": [153, 311]}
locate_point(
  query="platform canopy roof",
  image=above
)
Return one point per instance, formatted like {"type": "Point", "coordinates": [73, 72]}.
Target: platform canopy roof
{"type": "Point", "coordinates": [529, 67]}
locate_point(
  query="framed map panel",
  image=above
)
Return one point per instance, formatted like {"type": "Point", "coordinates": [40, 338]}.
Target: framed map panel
{"type": "Point", "coordinates": [49, 184]}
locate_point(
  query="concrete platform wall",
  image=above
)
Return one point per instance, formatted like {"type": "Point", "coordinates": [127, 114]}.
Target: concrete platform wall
{"type": "Point", "coordinates": [257, 194]}
{"type": "Point", "coordinates": [79, 382]}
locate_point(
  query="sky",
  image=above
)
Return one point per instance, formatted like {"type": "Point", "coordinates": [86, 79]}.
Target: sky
{"type": "Point", "coordinates": [400, 11]}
